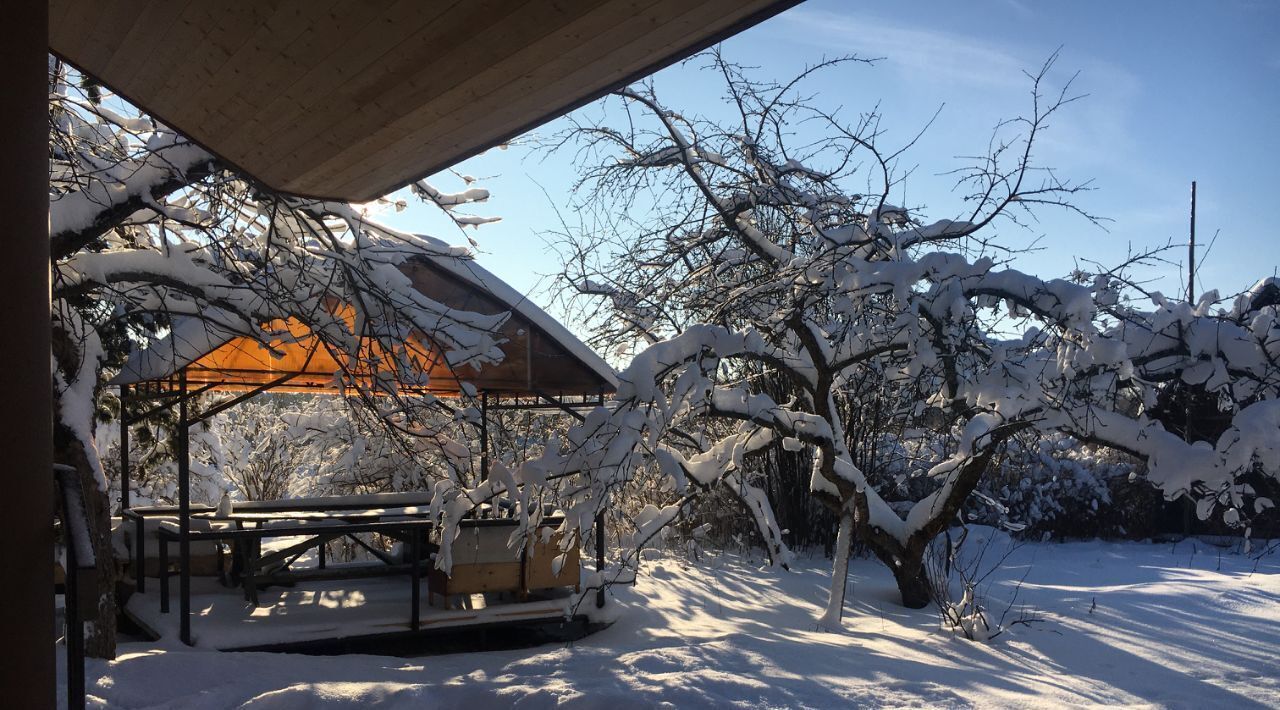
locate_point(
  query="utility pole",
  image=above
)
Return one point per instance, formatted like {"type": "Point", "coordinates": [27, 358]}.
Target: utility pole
{"type": "Point", "coordinates": [1186, 397]}
{"type": "Point", "coordinates": [1191, 250]}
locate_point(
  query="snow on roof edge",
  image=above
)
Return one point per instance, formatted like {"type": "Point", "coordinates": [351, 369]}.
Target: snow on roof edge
{"type": "Point", "coordinates": [193, 338]}
{"type": "Point", "coordinates": [190, 339]}
{"type": "Point", "coordinates": [470, 270]}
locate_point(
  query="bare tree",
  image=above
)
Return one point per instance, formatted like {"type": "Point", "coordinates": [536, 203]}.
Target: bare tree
{"type": "Point", "coordinates": [727, 250]}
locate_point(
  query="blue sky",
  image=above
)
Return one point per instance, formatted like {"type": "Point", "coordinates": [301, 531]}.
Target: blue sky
{"type": "Point", "coordinates": [1176, 91]}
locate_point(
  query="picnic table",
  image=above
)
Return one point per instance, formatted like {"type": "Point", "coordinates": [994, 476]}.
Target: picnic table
{"type": "Point", "coordinates": [316, 521]}
{"type": "Point", "coordinates": [483, 560]}
{"type": "Point", "coordinates": [251, 567]}
{"type": "Point", "coordinates": [364, 507]}
{"type": "Point", "coordinates": [255, 566]}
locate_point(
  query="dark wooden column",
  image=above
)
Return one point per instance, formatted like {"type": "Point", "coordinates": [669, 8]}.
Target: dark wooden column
{"type": "Point", "coordinates": [26, 424]}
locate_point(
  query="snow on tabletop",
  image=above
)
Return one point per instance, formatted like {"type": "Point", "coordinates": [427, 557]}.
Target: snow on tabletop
{"type": "Point", "coordinates": [372, 500]}
{"type": "Point", "coordinates": [1122, 624]}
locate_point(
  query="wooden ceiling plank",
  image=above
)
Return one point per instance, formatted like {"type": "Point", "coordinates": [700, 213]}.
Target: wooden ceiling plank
{"type": "Point", "coordinates": [223, 38]}
{"type": "Point", "coordinates": [60, 13]}
{"type": "Point", "coordinates": [110, 23]}
{"type": "Point", "coordinates": [152, 21]}
{"type": "Point", "coordinates": [233, 33]}
{"type": "Point", "coordinates": [430, 45]}
{"type": "Point", "coordinates": [241, 87]}
{"type": "Point", "coordinates": [162, 59]}
{"type": "Point", "coordinates": [499, 117]}
{"type": "Point", "coordinates": [350, 56]}
{"type": "Point", "coordinates": [499, 114]}
{"type": "Point", "coordinates": [74, 29]}
{"type": "Point", "coordinates": [69, 22]}
{"type": "Point", "coordinates": [430, 126]}
{"type": "Point", "coordinates": [524, 43]}
{"type": "Point", "coordinates": [141, 49]}
{"type": "Point", "coordinates": [517, 37]}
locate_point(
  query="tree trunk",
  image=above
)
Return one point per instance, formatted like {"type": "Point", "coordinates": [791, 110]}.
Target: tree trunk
{"type": "Point", "coordinates": [839, 572]}
{"type": "Point", "coordinates": [69, 450]}
{"type": "Point", "coordinates": [906, 562]}
{"type": "Point", "coordinates": [913, 583]}
{"type": "Point", "coordinates": [100, 635]}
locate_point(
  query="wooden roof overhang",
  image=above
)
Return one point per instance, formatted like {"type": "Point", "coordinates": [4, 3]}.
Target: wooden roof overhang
{"type": "Point", "coordinates": [540, 357]}
{"type": "Point", "coordinates": [352, 100]}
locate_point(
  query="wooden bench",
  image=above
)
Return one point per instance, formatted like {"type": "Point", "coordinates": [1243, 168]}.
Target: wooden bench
{"type": "Point", "coordinates": [140, 539]}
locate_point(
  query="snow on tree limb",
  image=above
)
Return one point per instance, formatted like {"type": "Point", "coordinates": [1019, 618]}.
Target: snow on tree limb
{"type": "Point", "coordinates": [792, 295]}
{"type": "Point", "coordinates": [118, 191]}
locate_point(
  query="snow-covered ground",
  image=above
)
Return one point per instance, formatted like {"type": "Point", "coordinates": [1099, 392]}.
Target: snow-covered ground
{"type": "Point", "coordinates": [1119, 624]}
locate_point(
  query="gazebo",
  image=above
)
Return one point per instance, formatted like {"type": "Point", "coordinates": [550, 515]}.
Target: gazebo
{"type": "Point", "coordinates": [544, 366]}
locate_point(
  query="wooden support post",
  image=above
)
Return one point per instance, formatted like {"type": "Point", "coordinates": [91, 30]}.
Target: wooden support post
{"type": "Point", "coordinates": [184, 514]}
{"type": "Point", "coordinates": [28, 674]}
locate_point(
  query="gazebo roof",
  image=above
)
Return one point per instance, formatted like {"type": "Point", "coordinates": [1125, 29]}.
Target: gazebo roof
{"type": "Point", "coordinates": [353, 100]}
{"type": "Point", "coordinates": [541, 356]}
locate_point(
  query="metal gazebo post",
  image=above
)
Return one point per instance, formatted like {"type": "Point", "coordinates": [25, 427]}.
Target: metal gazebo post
{"type": "Point", "coordinates": [124, 452]}
{"type": "Point", "coordinates": [184, 513]}
{"type": "Point", "coordinates": [484, 435]}
{"type": "Point", "coordinates": [600, 539]}
{"type": "Point", "coordinates": [600, 558]}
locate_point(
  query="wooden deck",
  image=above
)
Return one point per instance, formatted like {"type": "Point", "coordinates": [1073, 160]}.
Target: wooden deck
{"type": "Point", "coordinates": [359, 616]}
